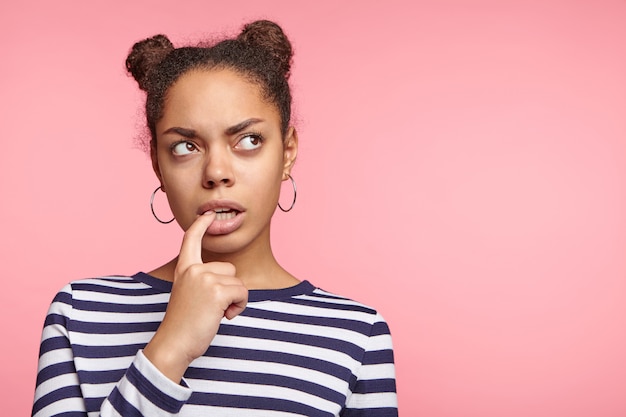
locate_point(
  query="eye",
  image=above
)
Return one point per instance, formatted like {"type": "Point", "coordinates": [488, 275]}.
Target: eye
{"type": "Point", "coordinates": [183, 148]}
{"type": "Point", "coordinates": [250, 142]}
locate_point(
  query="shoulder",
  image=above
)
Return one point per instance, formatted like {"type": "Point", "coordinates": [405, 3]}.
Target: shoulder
{"type": "Point", "coordinates": [111, 284]}
{"type": "Point", "coordinates": [102, 305]}
{"type": "Point", "coordinates": [118, 289]}
{"type": "Point", "coordinates": [336, 306]}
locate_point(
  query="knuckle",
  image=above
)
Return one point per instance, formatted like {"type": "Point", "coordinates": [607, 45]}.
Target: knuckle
{"type": "Point", "coordinates": [229, 269]}
{"type": "Point", "coordinates": [195, 269]}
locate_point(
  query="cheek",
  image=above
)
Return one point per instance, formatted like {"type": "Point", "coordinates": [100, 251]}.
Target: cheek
{"type": "Point", "coordinates": [263, 184]}
{"type": "Point", "coordinates": [180, 191]}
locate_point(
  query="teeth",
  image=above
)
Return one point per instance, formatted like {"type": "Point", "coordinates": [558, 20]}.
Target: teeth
{"type": "Point", "coordinates": [224, 215]}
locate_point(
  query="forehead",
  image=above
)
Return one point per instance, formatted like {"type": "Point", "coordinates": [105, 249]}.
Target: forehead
{"type": "Point", "coordinates": [219, 95]}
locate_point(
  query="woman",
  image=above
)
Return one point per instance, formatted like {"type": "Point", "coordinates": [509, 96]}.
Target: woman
{"type": "Point", "coordinates": [222, 329]}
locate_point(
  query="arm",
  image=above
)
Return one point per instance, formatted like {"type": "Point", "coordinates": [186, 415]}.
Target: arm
{"type": "Point", "coordinates": [143, 390]}
{"type": "Point", "coordinates": [202, 294]}
{"type": "Point", "coordinates": [374, 393]}
{"type": "Point", "coordinates": [58, 390]}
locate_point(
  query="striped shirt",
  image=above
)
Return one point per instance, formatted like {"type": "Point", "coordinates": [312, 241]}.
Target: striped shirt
{"type": "Point", "coordinates": [298, 351]}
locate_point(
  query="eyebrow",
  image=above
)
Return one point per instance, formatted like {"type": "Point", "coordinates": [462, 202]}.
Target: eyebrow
{"type": "Point", "coordinates": [187, 133]}
{"type": "Point", "coordinates": [190, 133]}
{"type": "Point", "coordinates": [242, 126]}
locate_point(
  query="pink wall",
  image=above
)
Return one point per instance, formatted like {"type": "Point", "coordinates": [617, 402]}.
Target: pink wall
{"type": "Point", "coordinates": [462, 168]}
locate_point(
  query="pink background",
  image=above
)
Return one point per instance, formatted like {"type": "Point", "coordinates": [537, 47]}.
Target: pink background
{"type": "Point", "coordinates": [462, 168]}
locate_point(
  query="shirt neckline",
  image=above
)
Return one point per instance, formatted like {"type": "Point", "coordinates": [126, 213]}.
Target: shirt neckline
{"type": "Point", "coordinates": [303, 288]}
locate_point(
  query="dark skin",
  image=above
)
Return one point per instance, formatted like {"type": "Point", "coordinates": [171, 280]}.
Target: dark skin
{"type": "Point", "coordinates": [220, 157]}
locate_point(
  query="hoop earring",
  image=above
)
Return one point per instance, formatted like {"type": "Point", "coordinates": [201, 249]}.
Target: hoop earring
{"type": "Point", "coordinates": [152, 207]}
{"type": "Point", "coordinates": [295, 194]}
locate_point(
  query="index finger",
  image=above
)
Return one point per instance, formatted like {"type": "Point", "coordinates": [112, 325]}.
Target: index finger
{"type": "Point", "coordinates": [191, 248]}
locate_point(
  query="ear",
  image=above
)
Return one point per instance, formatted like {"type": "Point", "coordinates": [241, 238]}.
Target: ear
{"type": "Point", "coordinates": [290, 151]}
{"type": "Point", "coordinates": [155, 163]}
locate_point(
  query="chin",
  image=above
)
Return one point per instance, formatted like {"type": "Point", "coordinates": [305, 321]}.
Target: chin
{"type": "Point", "coordinates": [224, 245]}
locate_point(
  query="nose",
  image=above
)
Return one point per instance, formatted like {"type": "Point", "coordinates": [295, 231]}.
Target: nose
{"type": "Point", "coordinates": [218, 170]}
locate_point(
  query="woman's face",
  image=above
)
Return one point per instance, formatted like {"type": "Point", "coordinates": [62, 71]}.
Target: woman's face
{"type": "Point", "coordinates": [219, 147]}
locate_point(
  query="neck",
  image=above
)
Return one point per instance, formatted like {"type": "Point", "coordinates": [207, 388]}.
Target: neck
{"type": "Point", "coordinates": [255, 266]}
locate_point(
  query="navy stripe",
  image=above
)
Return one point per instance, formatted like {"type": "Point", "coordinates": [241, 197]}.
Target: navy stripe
{"type": "Point", "coordinates": [325, 294]}
{"type": "Point", "coordinates": [331, 306]}
{"type": "Point", "coordinates": [122, 406]}
{"type": "Point", "coordinates": [380, 328]}
{"type": "Point", "coordinates": [56, 395]}
{"type": "Point", "coordinates": [306, 362]}
{"type": "Point", "coordinates": [53, 343]}
{"type": "Point", "coordinates": [101, 377]}
{"type": "Point", "coordinates": [63, 297]}
{"type": "Point", "coordinates": [54, 370]}
{"type": "Point", "coordinates": [339, 323]}
{"type": "Point", "coordinates": [55, 319]}
{"type": "Point", "coordinates": [119, 308]}
{"type": "Point", "coordinates": [151, 392]}
{"type": "Point", "coordinates": [378, 357]}
{"type": "Point", "coordinates": [122, 279]}
{"type": "Point", "coordinates": [103, 289]}
{"type": "Point", "coordinates": [348, 348]}
{"type": "Point", "coordinates": [113, 328]}
{"type": "Point", "coordinates": [94, 404]}
{"type": "Point", "coordinates": [369, 412]}
{"type": "Point", "coordinates": [115, 351]}
{"type": "Point", "coordinates": [375, 385]}
{"type": "Point", "coordinates": [266, 379]}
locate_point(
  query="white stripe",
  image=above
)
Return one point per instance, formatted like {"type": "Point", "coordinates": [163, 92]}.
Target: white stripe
{"type": "Point", "coordinates": [380, 342]}
{"type": "Point", "coordinates": [59, 307]}
{"type": "Point", "coordinates": [270, 368]}
{"type": "Point", "coordinates": [331, 299]}
{"type": "Point", "coordinates": [194, 410]}
{"type": "Point", "coordinates": [97, 390]}
{"type": "Point", "coordinates": [54, 383]}
{"type": "Point", "coordinates": [55, 356]}
{"type": "Point", "coordinates": [380, 371]}
{"type": "Point", "coordinates": [52, 330]}
{"type": "Point", "coordinates": [375, 400]}
{"type": "Point", "coordinates": [130, 299]}
{"type": "Point", "coordinates": [104, 364]}
{"type": "Point", "coordinates": [108, 317]}
{"type": "Point", "coordinates": [119, 283]}
{"type": "Point", "coordinates": [308, 311]}
{"type": "Point", "coordinates": [116, 339]}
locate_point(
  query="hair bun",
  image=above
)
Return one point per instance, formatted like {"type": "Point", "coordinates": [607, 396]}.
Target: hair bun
{"type": "Point", "coordinates": [270, 36]}
{"type": "Point", "coordinates": [145, 55]}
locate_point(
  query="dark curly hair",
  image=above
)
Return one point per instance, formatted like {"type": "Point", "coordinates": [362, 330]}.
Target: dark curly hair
{"type": "Point", "coordinates": [261, 53]}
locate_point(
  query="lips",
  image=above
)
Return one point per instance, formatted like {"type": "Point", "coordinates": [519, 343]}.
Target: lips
{"type": "Point", "coordinates": [229, 216]}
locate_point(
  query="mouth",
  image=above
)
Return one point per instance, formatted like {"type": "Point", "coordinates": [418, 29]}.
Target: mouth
{"type": "Point", "coordinates": [225, 213]}
{"type": "Point", "coordinates": [229, 216]}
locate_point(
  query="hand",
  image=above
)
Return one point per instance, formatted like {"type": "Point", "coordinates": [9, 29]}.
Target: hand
{"type": "Point", "coordinates": [202, 294]}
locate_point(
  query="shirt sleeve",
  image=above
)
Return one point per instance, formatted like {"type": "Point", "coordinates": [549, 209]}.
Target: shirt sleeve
{"type": "Point", "coordinates": [374, 393]}
{"type": "Point", "coordinates": [57, 391]}
{"type": "Point", "coordinates": [143, 390]}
